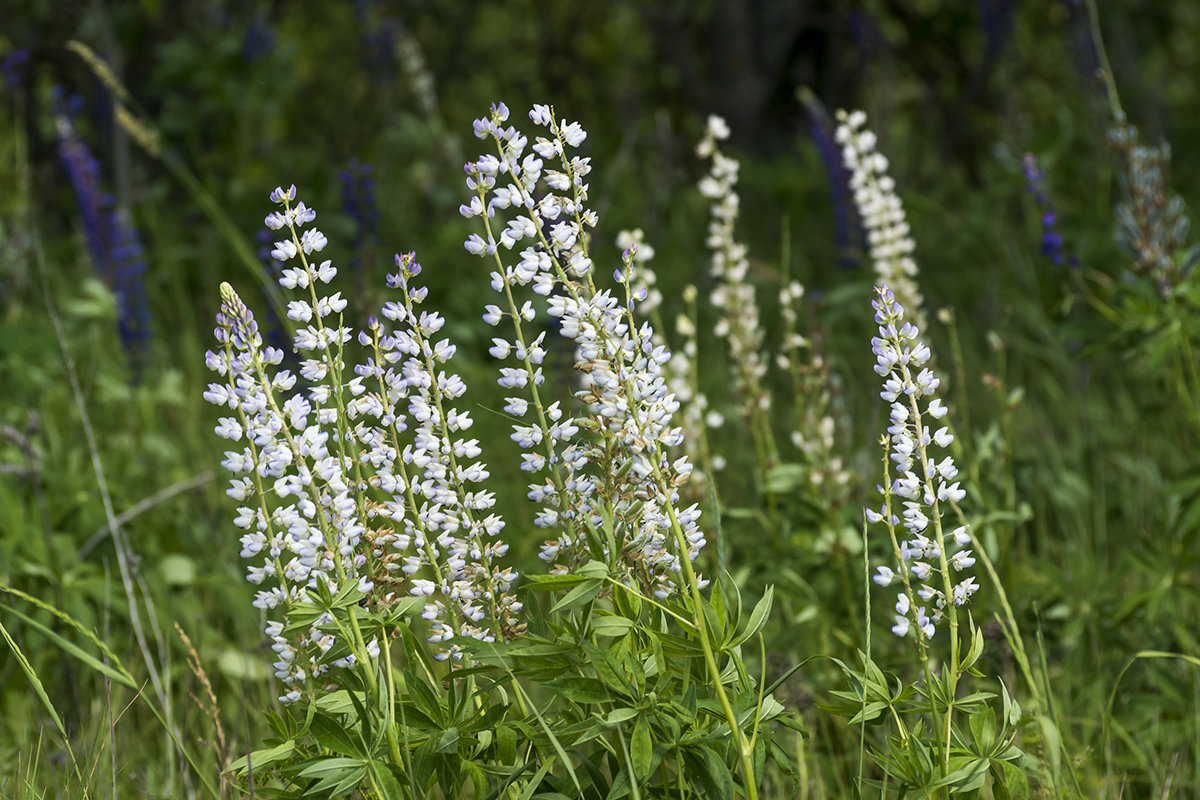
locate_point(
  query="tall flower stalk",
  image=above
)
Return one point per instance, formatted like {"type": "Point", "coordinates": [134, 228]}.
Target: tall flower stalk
{"type": "Point", "coordinates": [611, 463]}
{"type": "Point", "coordinates": [929, 559]}
{"type": "Point", "coordinates": [337, 497]}
{"type": "Point", "coordinates": [606, 479]}
{"type": "Point", "coordinates": [882, 213]}
{"type": "Point", "coordinates": [734, 297]}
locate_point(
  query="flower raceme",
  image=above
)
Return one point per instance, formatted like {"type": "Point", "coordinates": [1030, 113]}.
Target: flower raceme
{"type": "Point", "coordinates": [927, 569]}
{"type": "Point", "coordinates": [881, 211]}
{"type": "Point", "coordinates": [604, 478]}
{"type": "Point", "coordinates": [354, 478]}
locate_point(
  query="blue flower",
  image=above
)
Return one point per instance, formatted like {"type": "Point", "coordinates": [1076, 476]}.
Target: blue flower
{"type": "Point", "coordinates": [113, 242]}
{"type": "Point", "coordinates": [1052, 241]}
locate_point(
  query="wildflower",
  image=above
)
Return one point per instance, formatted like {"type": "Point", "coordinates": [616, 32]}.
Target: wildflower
{"type": "Point", "coordinates": [923, 485]}
{"type": "Point", "coordinates": [609, 464]}
{"type": "Point", "coordinates": [734, 296]}
{"type": "Point", "coordinates": [358, 203]}
{"type": "Point", "coordinates": [1152, 221]}
{"type": "Point", "coordinates": [1052, 240]}
{"type": "Point", "coordinates": [888, 240]}
{"type": "Point", "coordinates": [847, 227]}
{"type": "Point", "coordinates": [113, 242]}
{"type": "Point", "coordinates": [334, 494]}
{"type": "Point", "coordinates": [12, 67]}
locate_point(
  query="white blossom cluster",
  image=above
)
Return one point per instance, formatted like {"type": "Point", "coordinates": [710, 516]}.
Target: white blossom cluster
{"type": "Point", "coordinates": [813, 435]}
{"type": "Point", "coordinates": [644, 280]}
{"type": "Point", "coordinates": [328, 493]}
{"type": "Point", "coordinates": [888, 240]}
{"type": "Point", "coordinates": [438, 507]}
{"type": "Point", "coordinates": [695, 414]}
{"type": "Point", "coordinates": [924, 481]}
{"type": "Point", "coordinates": [609, 463]}
{"type": "Point", "coordinates": [739, 323]}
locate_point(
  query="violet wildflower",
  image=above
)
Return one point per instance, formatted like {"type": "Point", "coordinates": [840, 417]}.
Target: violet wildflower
{"type": "Point", "coordinates": [888, 239]}
{"type": "Point", "coordinates": [127, 260]}
{"type": "Point", "coordinates": [928, 558]}
{"type": "Point", "coordinates": [358, 203]}
{"type": "Point", "coordinates": [847, 227]}
{"type": "Point", "coordinates": [12, 67]}
{"type": "Point", "coordinates": [84, 172]}
{"type": "Point", "coordinates": [605, 479]}
{"type": "Point", "coordinates": [259, 39]}
{"type": "Point", "coordinates": [1052, 240]}
{"type": "Point", "coordinates": [378, 48]}
{"type": "Point", "coordinates": [112, 241]}
{"type": "Point", "coordinates": [997, 17]}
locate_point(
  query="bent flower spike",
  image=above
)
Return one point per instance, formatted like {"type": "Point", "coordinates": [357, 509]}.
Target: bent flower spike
{"type": "Point", "coordinates": [363, 482]}
{"type": "Point", "coordinates": [928, 572]}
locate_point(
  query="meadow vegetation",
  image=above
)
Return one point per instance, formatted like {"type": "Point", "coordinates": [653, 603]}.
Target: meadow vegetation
{"type": "Point", "coordinates": [703, 436]}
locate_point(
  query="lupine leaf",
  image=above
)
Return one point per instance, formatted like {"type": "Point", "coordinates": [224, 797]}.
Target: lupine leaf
{"type": "Point", "coordinates": [583, 593]}
{"type": "Point", "coordinates": [448, 743]}
{"type": "Point", "coordinates": [581, 690]}
{"type": "Point", "coordinates": [641, 748]}
{"type": "Point", "coordinates": [553, 582]}
{"type": "Point", "coordinates": [264, 759]}
{"type": "Point", "coordinates": [758, 618]}
{"type": "Point", "coordinates": [332, 735]}
{"type": "Point", "coordinates": [611, 625]}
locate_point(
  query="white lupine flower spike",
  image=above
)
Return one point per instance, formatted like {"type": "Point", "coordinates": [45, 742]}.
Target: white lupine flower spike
{"type": "Point", "coordinates": [612, 462]}
{"type": "Point", "coordinates": [734, 296]}
{"type": "Point", "coordinates": [889, 242]}
{"type": "Point", "coordinates": [929, 561]}
{"type": "Point", "coordinates": [338, 489]}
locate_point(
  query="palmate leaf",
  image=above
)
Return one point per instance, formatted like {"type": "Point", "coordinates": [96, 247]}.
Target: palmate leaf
{"type": "Point", "coordinates": [263, 760]}
{"type": "Point", "coordinates": [641, 749]}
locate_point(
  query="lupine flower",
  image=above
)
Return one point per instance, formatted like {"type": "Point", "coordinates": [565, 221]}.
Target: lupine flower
{"type": "Point", "coordinates": [84, 172]}
{"type": "Point", "coordinates": [696, 416]}
{"type": "Point", "coordinates": [127, 260]}
{"type": "Point", "coordinates": [928, 559]}
{"type": "Point", "coordinates": [378, 47]}
{"type": "Point", "coordinates": [12, 66]}
{"type": "Point", "coordinates": [358, 203]}
{"type": "Point", "coordinates": [997, 18]}
{"type": "Point", "coordinates": [847, 227]}
{"type": "Point", "coordinates": [332, 491]}
{"type": "Point", "coordinates": [1052, 240]}
{"type": "Point", "coordinates": [644, 278]}
{"type": "Point", "coordinates": [733, 297]}
{"type": "Point", "coordinates": [112, 240]}
{"type": "Point", "coordinates": [611, 463]}
{"type": "Point", "coordinates": [888, 240]}
{"type": "Point", "coordinates": [274, 331]}
{"type": "Point", "coordinates": [814, 432]}
{"type": "Point", "coordinates": [259, 39]}
{"type": "Point", "coordinates": [1152, 221]}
